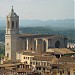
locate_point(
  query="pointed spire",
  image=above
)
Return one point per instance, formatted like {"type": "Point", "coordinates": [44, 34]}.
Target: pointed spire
{"type": "Point", "coordinates": [12, 10]}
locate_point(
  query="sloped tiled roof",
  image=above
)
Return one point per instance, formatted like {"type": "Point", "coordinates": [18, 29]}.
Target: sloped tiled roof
{"type": "Point", "coordinates": [67, 59]}
{"type": "Point", "coordinates": [61, 50]}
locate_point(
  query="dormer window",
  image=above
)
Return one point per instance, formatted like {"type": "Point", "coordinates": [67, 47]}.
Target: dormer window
{"type": "Point", "coordinates": [12, 24]}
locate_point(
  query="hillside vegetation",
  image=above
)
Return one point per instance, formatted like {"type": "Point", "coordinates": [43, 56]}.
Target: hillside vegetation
{"type": "Point", "coordinates": [67, 32]}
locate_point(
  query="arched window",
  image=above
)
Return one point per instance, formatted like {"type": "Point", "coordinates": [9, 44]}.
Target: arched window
{"type": "Point", "coordinates": [57, 44]}
{"type": "Point", "coordinates": [8, 25]}
{"type": "Point", "coordinates": [16, 25]}
{"type": "Point", "coordinates": [12, 24]}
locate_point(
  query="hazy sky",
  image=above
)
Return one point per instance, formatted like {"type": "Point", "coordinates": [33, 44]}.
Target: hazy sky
{"type": "Point", "coordinates": [39, 9]}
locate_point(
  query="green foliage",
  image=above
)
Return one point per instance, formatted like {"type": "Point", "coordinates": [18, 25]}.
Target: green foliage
{"type": "Point", "coordinates": [2, 35]}
{"type": "Point", "coordinates": [67, 32]}
{"type": "Point", "coordinates": [2, 50]}
{"type": "Point", "coordinates": [36, 30]}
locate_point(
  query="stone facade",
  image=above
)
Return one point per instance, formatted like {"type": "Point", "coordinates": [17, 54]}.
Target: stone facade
{"type": "Point", "coordinates": [15, 42]}
{"type": "Point", "coordinates": [11, 36]}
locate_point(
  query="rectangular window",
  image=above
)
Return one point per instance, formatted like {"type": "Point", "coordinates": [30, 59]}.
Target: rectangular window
{"type": "Point", "coordinates": [44, 69]}
{"type": "Point", "coordinates": [68, 72]}
{"type": "Point", "coordinates": [33, 63]}
{"type": "Point", "coordinates": [44, 64]}
{"type": "Point", "coordinates": [39, 68]}
{"type": "Point", "coordinates": [30, 62]}
{"type": "Point", "coordinates": [47, 64]}
{"type": "Point", "coordinates": [60, 72]}
{"type": "Point", "coordinates": [8, 55]}
{"type": "Point", "coordinates": [24, 57]}
{"type": "Point", "coordinates": [28, 58]}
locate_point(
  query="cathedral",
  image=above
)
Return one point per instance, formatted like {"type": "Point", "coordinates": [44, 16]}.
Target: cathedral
{"type": "Point", "coordinates": [16, 42]}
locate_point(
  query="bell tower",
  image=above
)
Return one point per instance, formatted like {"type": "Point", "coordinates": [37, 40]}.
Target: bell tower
{"type": "Point", "coordinates": [12, 26]}
{"type": "Point", "coordinates": [11, 36]}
